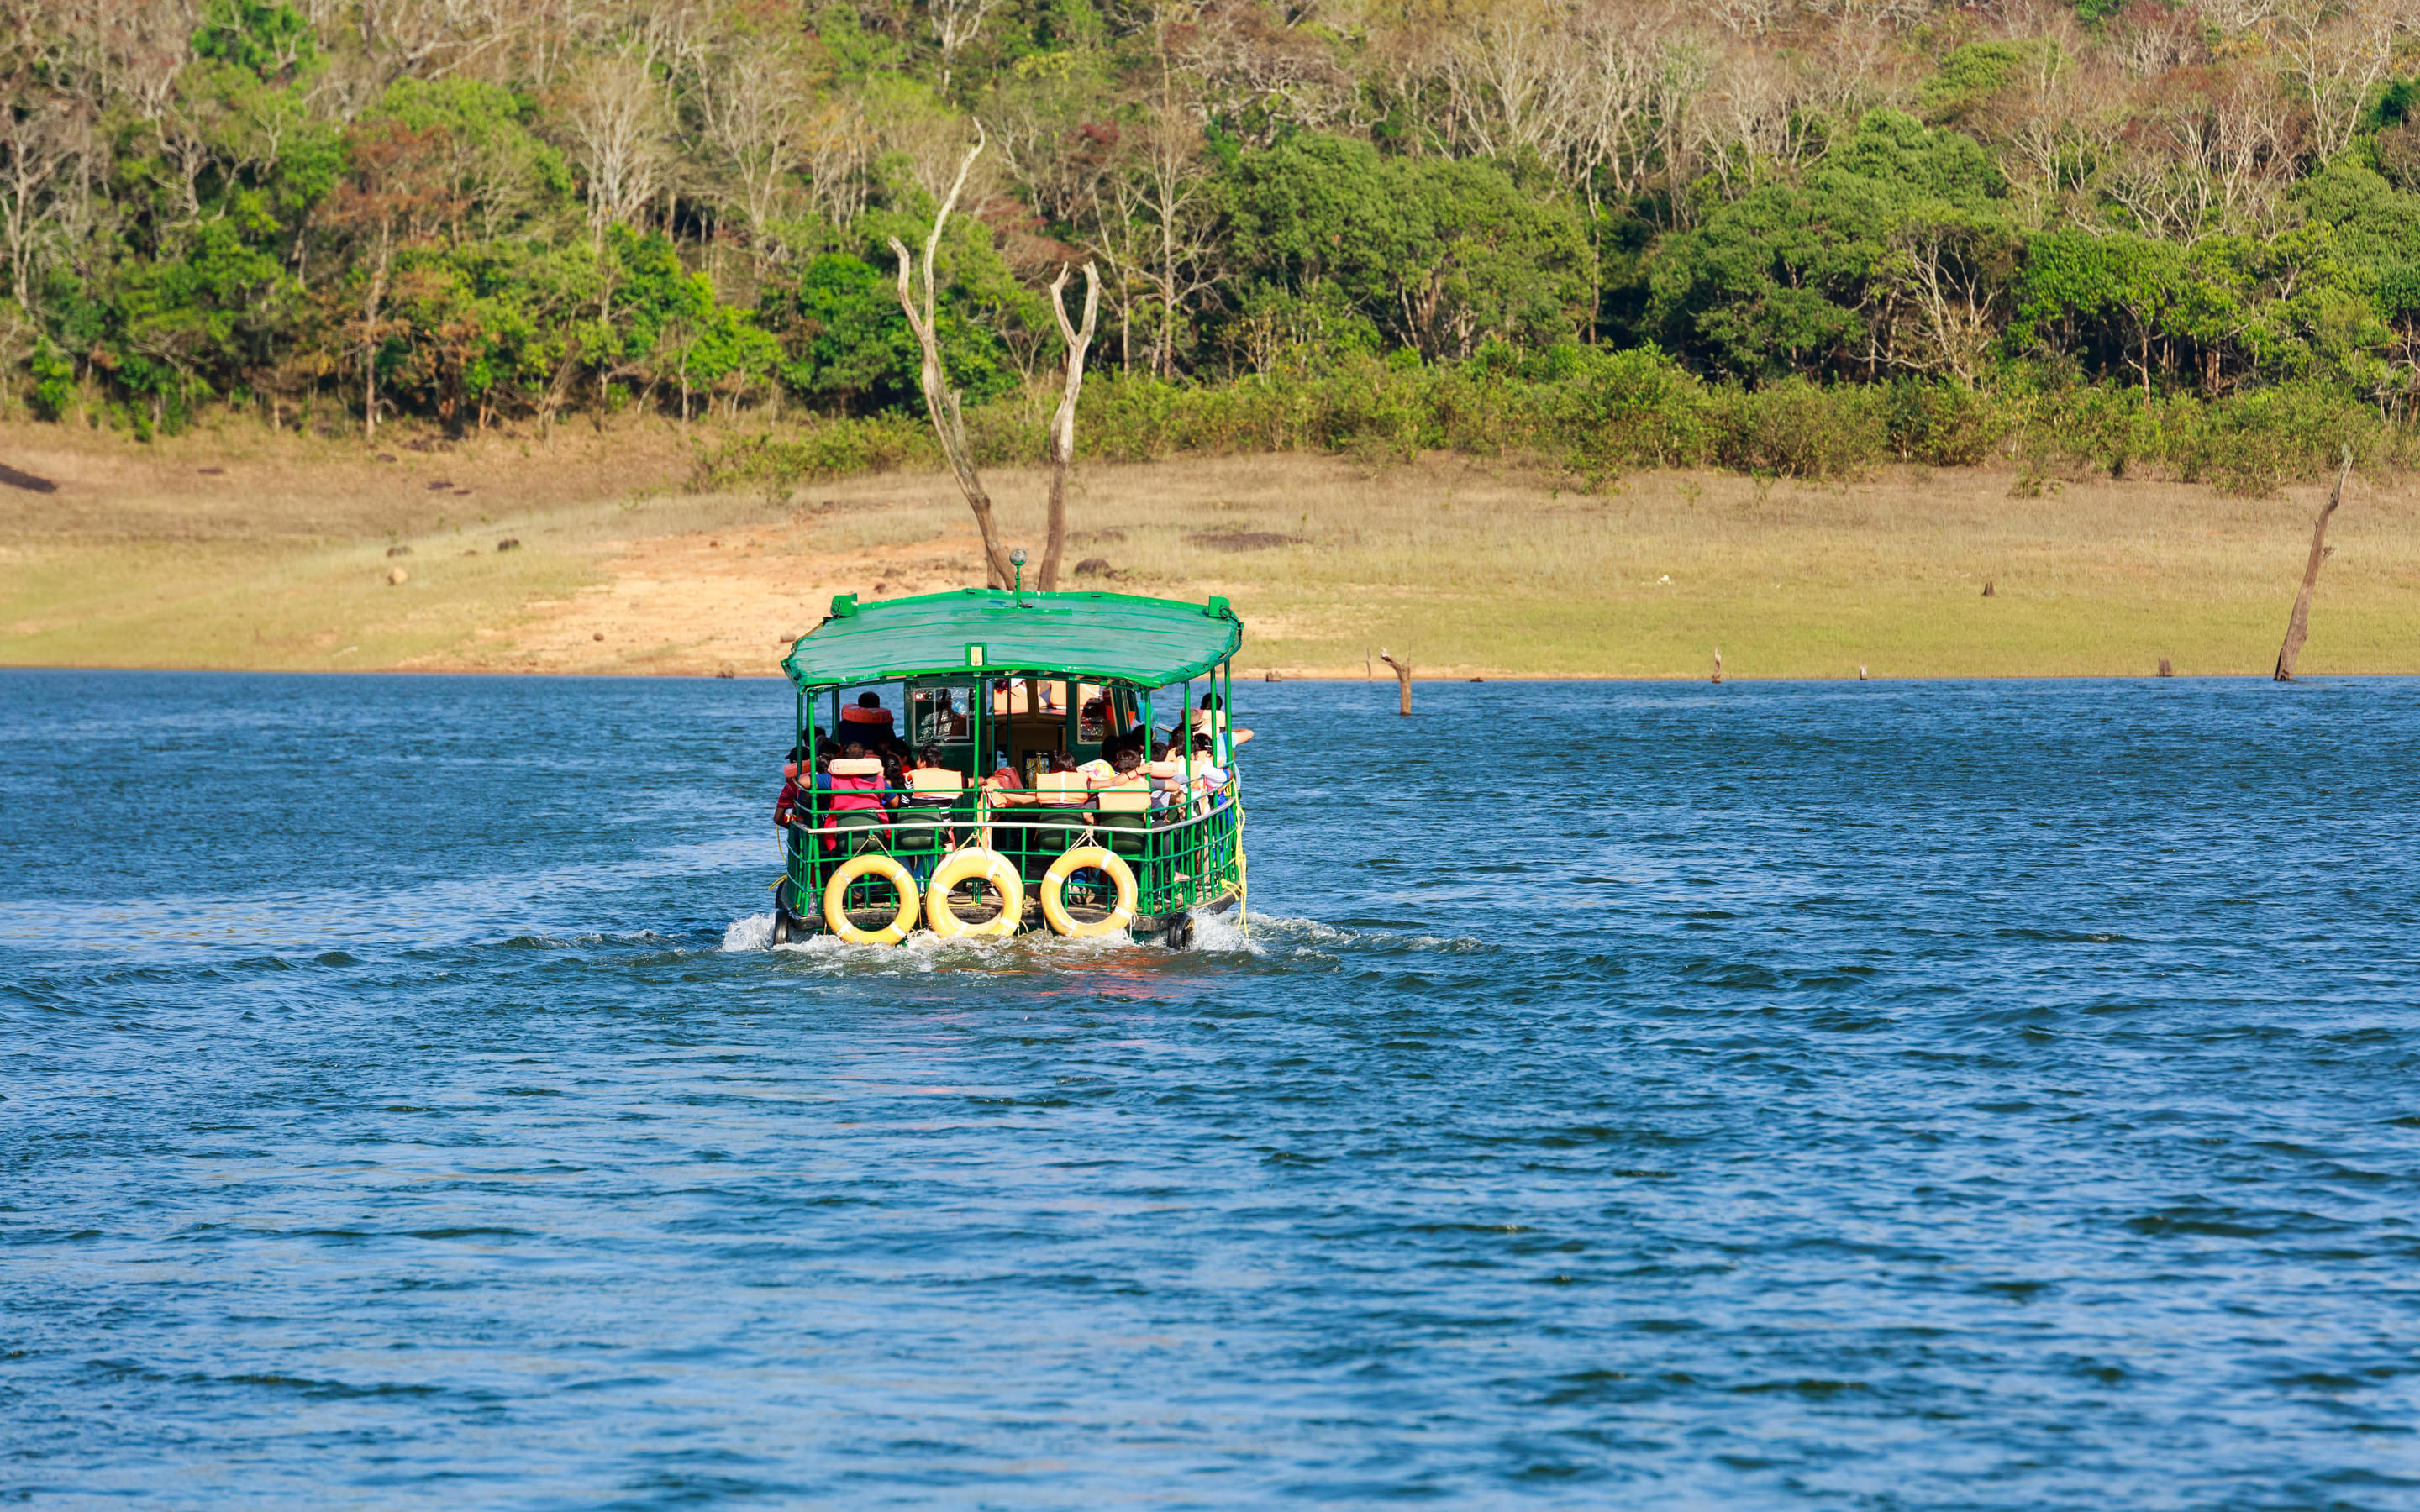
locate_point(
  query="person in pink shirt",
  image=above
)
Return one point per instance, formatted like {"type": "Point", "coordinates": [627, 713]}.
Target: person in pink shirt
{"type": "Point", "coordinates": [853, 793]}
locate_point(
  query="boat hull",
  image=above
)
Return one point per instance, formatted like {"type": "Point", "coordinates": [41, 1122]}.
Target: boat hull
{"type": "Point", "coordinates": [1174, 930]}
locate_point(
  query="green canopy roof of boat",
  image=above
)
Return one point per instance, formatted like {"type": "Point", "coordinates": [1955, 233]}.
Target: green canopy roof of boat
{"type": "Point", "coordinates": [1122, 637]}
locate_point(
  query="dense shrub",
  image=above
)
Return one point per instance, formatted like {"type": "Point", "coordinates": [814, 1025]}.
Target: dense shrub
{"type": "Point", "coordinates": [1945, 425]}
{"type": "Point", "coordinates": [1597, 414]}
{"type": "Point", "coordinates": [2250, 444]}
{"type": "Point", "coordinates": [825, 448]}
{"type": "Point", "coordinates": [1799, 430]}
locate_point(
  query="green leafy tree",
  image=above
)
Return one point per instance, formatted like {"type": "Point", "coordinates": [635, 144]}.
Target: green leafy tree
{"type": "Point", "coordinates": [1891, 255]}
{"type": "Point", "coordinates": [1438, 255]}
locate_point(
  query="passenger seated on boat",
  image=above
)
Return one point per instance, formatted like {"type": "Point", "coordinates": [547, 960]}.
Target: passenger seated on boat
{"type": "Point", "coordinates": [1004, 788]}
{"type": "Point", "coordinates": [795, 782]}
{"type": "Point", "coordinates": [856, 784]}
{"type": "Point", "coordinates": [1167, 775]}
{"type": "Point", "coordinates": [1208, 776]}
{"type": "Point", "coordinates": [1124, 805]}
{"type": "Point", "coordinates": [868, 723]}
{"type": "Point", "coordinates": [929, 773]}
{"type": "Point", "coordinates": [1063, 786]}
{"type": "Point", "coordinates": [934, 790]}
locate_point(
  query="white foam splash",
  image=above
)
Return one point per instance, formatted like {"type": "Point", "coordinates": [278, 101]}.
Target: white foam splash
{"type": "Point", "coordinates": [754, 932]}
{"type": "Point", "coordinates": [1225, 934]}
{"type": "Point", "coordinates": [1213, 935]}
{"type": "Point", "coordinates": [924, 951]}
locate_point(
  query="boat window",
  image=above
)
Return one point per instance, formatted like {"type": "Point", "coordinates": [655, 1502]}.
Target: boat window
{"type": "Point", "coordinates": [942, 716]}
{"type": "Point", "coordinates": [1097, 720]}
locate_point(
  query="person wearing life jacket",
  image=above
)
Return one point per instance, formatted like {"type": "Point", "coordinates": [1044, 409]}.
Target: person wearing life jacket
{"type": "Point", "coordinates": [868, 723]}
{"type": "Point", "coordinates": [855, 790]}
{"type": "Point", "coordinates": [934, 788]}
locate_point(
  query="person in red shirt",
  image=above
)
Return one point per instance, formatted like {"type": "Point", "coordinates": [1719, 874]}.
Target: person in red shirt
{"type": "Point", "coordinates": [791, 807]}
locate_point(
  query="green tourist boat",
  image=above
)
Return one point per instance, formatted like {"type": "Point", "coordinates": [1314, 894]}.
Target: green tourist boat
{"type": "Point", "coordinates": [994, 761]}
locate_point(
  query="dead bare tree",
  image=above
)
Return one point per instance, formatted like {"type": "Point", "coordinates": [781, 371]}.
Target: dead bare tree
{"type": "Point", "coordinates": [2334, 52]}
{"type": "Point", "coordinates": [616, 121]}
{"type": "Point", "coordinates": [1063, 424]}
{"type": "Point", "coordinates": [956, 23]}
{"type": "Point", "coordinates": [433, 39]}
{"type": "Point", "coordinates": [837, 146]}
{"type": "Point", "coordinates": [2298, 626]}
{"type": "Point", "coordinates": [1944, 308]}
{"type": "Point", "coordinates": [1161, 201]}
{"type": "Point", "coordinates": [941, 401]}
{"type": "Point", "coordinates": [1754, 120]}
{"type": "Point", "coordinates": [1403, 680]}
{"type": "Point", "coordinates": [750, 102]}
{"type": "Point", "coordinates": [1506, 81]}
{"type": "Point", "coordinates": [43, 143]}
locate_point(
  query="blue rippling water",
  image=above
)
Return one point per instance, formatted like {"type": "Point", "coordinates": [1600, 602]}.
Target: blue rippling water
{"type": "Point", "coordinates": [1899, 1095]}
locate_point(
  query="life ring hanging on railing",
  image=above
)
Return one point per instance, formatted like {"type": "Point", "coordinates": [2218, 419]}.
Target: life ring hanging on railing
{"type": "Point", "coordinates": [974, 864]}
{"type": "Point", "coordinates": [873, 863]}
{"type": "Point", "coordinates": [1054, 885]}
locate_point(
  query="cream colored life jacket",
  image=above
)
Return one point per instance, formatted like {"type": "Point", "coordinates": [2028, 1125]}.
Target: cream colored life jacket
{"type": "Point", "coordinates": [1062, 790]}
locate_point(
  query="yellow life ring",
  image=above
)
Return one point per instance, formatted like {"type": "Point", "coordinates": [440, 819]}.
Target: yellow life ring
{"type": "Point", "coordinates": [1054, 883]}
{"type": "Point", "coordinates": [874, 863]}
{"type": "Point", "coordinates": [974, 864]}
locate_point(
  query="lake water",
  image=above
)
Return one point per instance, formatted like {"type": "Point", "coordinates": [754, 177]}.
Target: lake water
{"type": "Point", "coordinates": [1890, 1095]}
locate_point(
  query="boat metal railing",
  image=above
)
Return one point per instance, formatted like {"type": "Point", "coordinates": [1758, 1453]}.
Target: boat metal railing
{"type": "Point", "coordinates": [1182, 856]}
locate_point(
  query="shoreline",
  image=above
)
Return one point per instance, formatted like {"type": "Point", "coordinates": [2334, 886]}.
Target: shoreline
{"type": "Point", "coordinates": [592, 555]}
{"type": "Point", "coordinates": [1728, 680]}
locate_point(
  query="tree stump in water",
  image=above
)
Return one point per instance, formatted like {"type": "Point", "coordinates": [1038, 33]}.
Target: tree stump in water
{"type": "Point", "coordinates": [1402, 679]}
{"type": "Point", "coordinates": [2298, 624]}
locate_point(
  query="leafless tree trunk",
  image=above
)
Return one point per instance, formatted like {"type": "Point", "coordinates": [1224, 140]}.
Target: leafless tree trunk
{"type": "Point", "coordinates": [941, 402]}
{"type": "Point", "coordinates": [616, 122]}
{"type": "Point", "coordinates": [2298, 626]}
{"type": "Point", "coordinates": [1152, 229]}
{"type": "Point", "coordinates": [837, 145]}
{"type": "Point", "coordinates": [1063, 424]}
{"type": "Point", "coordinates": [1403, 680]}
{"type": "Point", "coordinates": [2334, 54]}
{"type": "Point", "coordinates": [749, 101]}
{"type": "Point", "coordinates": [40, 139]}
{"type": "Point", "coordinates": [371, 301]}
{"type": "Point", "coordinates": [1504, 82]}
{"type": "Point", "coordinates": [956, 23]}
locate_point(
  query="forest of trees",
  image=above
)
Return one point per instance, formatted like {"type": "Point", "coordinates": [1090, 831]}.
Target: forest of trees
{"type": "Point", "coordinates": [337, 213]}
